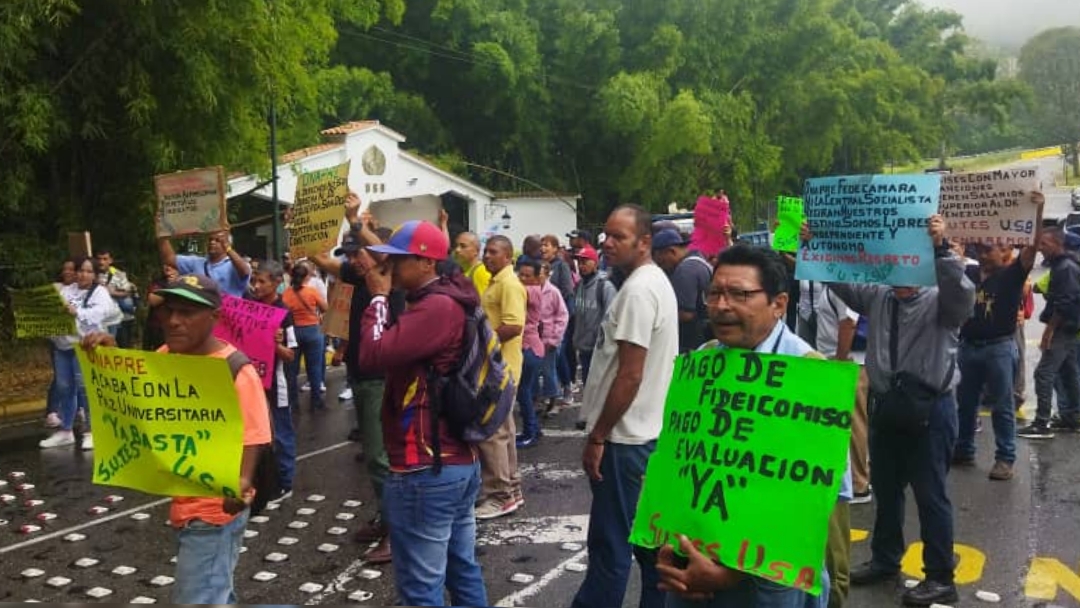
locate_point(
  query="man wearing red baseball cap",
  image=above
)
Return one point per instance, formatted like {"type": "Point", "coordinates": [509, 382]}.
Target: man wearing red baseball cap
{"type": "Point", "coordinates": [429, 507]}
{"type": "Point", "coordinates": [591, 298]}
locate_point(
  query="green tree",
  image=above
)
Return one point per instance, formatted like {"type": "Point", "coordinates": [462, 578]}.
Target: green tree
{"type": "Point", "coordinates": [97, 98]}
{"type": "Point", "coordinates": [1050, 65]}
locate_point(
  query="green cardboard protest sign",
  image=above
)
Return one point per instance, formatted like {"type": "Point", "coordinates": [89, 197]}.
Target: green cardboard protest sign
{"type": "Point", "coordinates": [789, 214]}
{"type": "Point", "coordinates": [750, 460]}
{"type": "Point", "coordinates": [41, 312]}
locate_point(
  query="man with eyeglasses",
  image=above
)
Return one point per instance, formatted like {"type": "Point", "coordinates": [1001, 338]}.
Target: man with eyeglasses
{"type": "Point", "coordinates": [746, 300]}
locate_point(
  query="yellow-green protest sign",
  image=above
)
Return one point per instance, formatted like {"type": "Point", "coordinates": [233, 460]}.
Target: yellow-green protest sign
{"type": "Point", "coordinates": [790, 218]}
{"type": "Point", "coordinates": [40, 312]}
{"type": "Point", "coordinates": [750, 460]}
{"type": "Point", "coordinates": [318, 210]}
{"type": "Point", "coordinates": [163, 424]}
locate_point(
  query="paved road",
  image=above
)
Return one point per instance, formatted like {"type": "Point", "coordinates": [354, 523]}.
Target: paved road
{"type": "Point", "coordinates": [1057, 199]}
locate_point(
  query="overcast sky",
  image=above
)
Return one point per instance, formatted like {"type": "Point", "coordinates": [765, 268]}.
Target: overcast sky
{"type": "Point", "coordinates": [1009, 23]}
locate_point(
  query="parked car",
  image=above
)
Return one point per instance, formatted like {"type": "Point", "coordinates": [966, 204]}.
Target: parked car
{"type": "Point", "coordinates": [1076, 198]}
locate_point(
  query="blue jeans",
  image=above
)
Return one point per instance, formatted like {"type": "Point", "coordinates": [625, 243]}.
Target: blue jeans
{"type": "Point", "coordinates": [921, 461]}
{"type": "Point", "coordinates": [549, 372]}
{"type": "Point", "coordinates": [530, 371]}
{"type": "Point", "coordinates": [312, 347]}
{"type": "Point", "coordinates": [433, 533]}
{"type": "Point", "coordinates": [759, 593]}
{"type": "Point", "coordinates": [70, 392]}
{"type": "Point", "coordinates": [205, 561]}
{"type": "Point", "coordinates": [614, 503]}
{"type": "Point", "coordinates": [284, 444]}
{"type": "Point", "coordinates": [991, 366]}
{"type": "Point", "coordinates": [52, 406]}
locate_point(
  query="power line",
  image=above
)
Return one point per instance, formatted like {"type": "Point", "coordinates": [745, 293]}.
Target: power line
{"type": "Point", "coordinates": [457, 55]}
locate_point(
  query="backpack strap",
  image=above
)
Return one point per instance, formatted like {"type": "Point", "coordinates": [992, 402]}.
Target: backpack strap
{"type": "Point", "coordinates": [89, 293]}
{"type": "Point", "coordinates": [601, 293]}
{"type": "Point", "coordinates": [237, 360]}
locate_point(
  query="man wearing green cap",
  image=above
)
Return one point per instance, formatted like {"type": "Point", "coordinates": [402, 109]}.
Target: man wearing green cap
{"type": "Point", "coordinates": [210, 531]}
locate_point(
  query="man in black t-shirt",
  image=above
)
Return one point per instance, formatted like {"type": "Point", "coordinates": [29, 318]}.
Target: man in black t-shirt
{"type": "Point", "coordinates": [988, 355]}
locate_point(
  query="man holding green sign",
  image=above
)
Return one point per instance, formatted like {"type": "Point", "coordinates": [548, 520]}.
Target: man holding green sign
{"type": "Point", "coordinates": [748, 432]}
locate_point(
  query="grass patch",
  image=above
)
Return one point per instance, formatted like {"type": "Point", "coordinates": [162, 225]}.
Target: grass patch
{"type": "Point", "coordinates": [979, 162]}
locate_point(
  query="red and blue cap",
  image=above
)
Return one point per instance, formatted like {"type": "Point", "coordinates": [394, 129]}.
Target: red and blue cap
{"type": "Point", "coordinates": [418, 238]}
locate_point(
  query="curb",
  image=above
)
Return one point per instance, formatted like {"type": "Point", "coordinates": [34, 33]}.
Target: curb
{"type": "Point", "coordinates": [14, 412]}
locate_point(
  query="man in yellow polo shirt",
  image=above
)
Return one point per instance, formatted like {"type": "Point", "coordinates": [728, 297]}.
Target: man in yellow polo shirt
{"type": "Point", "coordinates": [504, 304]}
{"type": "Point", "coordinates": [467, 255]}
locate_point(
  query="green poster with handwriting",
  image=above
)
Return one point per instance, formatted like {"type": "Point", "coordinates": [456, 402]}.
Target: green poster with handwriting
{"type": "Point", "coordinates": [749, 463]}
{"type": "Point", "coordinates": [40, 312]}
{"type": "Point", "coordinates": [163, 424]}
{"type": "Point", "coordinates": [790, 218]}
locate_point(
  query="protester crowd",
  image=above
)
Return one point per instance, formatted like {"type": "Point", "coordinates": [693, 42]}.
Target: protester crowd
{"type": "Point", "coordinates": [574, 325]}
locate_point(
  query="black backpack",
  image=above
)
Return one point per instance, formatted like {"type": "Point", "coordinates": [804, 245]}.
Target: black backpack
{"type": "Point", "coordinates": [265, 480]}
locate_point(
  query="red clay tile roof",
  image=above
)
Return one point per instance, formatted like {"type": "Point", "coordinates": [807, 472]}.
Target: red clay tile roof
{"type": "Point", "coordinates": [296, 155]}
{"type": "Point", "coordinates": [350, 127]}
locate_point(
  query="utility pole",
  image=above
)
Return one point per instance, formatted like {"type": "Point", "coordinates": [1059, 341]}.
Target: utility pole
{"type": "Point", "coordinates": [274, 180]}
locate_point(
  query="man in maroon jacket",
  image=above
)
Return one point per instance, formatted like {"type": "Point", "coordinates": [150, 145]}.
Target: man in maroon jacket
{"type": "Point", "coordinates": [429, 506]}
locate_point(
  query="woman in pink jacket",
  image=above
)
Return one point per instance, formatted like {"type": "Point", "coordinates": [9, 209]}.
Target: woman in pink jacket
{"type": "Point", "coordinates": [545, 323]}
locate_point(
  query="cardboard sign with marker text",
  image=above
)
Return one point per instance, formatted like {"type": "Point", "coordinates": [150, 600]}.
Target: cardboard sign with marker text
{"type": "Point", "coordinates": [750, 460]}
{"type": "Point", "coordinates": [40, 312]}
{"type": "Point", "coordinates": [163, 424]}
{"type": "Point", "coordinates": [790, 218]}
{"type": "Point", "coordinates": [870, 229]}
{"type": "Point", "coordinates": [318, 210]}
{"type": "Point", "coordinates": [991, 207]}
{"type": "Point", "coordinates": [191, 202]}
{"type": "Point", "coordinates": [336, 320]}
{"type": "Point", "coordinates": [251, 327]}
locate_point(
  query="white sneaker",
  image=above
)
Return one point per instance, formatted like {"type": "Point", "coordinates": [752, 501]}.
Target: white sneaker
{"type": "Point", "coordinates": [345, 395]}
{"type": "Point", "coordinates": [306, 388]}
{"type": "Point", "coordinates": [52, 421]}
{"type": "Point", "coordinates": [57, 439]}
{"type": "Point", "coordinates": [87, 442]}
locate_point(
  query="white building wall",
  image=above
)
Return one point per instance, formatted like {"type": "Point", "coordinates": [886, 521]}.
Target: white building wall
{"type": "Point", "coordinates": [530, 216]}
{"type": "Point", "coordinates": [404, 175]}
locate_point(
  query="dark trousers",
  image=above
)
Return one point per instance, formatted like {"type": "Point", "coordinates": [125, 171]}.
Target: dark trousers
{"type": "Point", "coordinates": [922, 461]}
{"type": "Point", "coordinates": [1058, 363]}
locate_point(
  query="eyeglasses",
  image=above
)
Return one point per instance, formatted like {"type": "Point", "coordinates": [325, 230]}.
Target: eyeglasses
{"type": "Point", "coordinates": [740, 296]}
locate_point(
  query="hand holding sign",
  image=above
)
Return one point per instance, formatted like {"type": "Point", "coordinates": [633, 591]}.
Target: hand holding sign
{"type": "Point", "coordinates": [701, 576]}
{"type": "Point", "coordinates": [352, 206]}
{"type": "Point", "coordinates": [937, 229]}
